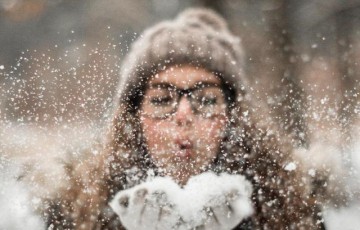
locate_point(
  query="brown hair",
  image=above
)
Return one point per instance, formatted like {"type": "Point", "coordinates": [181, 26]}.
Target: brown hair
{"type": "Point", "coordinates": [250, 149]}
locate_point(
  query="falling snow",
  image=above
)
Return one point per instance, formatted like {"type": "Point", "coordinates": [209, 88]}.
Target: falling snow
{"type": "Point", "coordinates": [58, 97]}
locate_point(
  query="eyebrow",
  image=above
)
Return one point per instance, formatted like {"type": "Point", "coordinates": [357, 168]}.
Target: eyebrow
{"type": "Point", "coordinates": [199, 84]}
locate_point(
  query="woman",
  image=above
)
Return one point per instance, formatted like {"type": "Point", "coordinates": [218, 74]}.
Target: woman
{"type": "Point", "coordinates": [183, 109]}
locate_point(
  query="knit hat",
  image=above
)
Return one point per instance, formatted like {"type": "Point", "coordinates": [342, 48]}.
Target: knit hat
{"type": "Point", "coordinates": [197, 37]}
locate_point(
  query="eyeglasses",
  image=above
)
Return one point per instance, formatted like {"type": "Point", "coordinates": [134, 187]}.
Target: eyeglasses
{"type": "Point", "coordinates": [162, 100]}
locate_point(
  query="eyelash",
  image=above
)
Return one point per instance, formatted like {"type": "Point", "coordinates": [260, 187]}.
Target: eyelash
{"type": "Point", "coordinates": [208, 100]}
{"type": "Point", "coordinates": [160, 100]}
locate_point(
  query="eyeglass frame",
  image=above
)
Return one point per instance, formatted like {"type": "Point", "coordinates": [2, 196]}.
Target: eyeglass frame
{"type": "Point", "coordinates": [180, 92]}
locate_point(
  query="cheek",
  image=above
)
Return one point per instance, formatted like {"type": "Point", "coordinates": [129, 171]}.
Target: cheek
{"type": "Point", "coordinates": [156, 134]}
{"type": "Point", "coordinates": [162, 131]}
{"type": "Point", "coordinates": [210, 133]}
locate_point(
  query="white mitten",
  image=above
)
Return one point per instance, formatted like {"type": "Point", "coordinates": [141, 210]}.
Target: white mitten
{"type": "Point", "coordinates": [147, 206]}
{"type": "Point", "coordinates": [225, 201]}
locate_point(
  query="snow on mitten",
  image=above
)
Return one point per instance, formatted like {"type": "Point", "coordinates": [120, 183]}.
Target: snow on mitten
{"type": "Point", "coordinates": [147, 206]}
{"type": "Point", "coordinates": [226, 202]}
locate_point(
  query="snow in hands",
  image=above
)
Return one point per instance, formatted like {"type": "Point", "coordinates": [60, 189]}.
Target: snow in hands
{"type": "Point", "coordinates": [208, 201]}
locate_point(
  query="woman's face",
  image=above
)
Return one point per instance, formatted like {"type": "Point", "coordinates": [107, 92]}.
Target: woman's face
{"type": "Point", "coordinates": [183, 118]}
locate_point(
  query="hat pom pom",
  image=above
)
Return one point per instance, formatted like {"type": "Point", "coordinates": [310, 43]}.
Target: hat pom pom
{"type": "Point", "coordinates": [203, 17]}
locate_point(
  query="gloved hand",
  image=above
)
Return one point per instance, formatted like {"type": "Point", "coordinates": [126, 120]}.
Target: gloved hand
{"type": "Point", "coordinates": [207, 202]}
{"type": "Point", "coordinates": [224, 202]}
{"type": "Point", "coordinates": [147, 206]}
{"type": "Point", "coordinates": [226, 212]}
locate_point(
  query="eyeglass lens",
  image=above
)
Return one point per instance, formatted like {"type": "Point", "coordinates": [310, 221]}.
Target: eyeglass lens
{"type": "Point", "coordinates": [161, 102]}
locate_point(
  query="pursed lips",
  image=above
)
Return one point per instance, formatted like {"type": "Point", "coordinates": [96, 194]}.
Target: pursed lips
{"type": "Point", "coordinates": [184, 147]}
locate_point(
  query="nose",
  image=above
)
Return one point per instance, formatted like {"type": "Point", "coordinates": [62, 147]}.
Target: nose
{"type": "Point", "coordinates": [184, 113]}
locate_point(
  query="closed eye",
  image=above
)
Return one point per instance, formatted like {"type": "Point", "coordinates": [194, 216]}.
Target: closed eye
{"type": "Point", "coordinates": [207, 101]}
{"type": "Point", "coordinates": [161, 101]}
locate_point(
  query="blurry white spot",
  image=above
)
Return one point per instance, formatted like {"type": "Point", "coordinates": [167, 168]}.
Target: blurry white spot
{"type": "Point", "coordinates": [290, 167]}
{"type": "Point", "coordinates": [311, 172]}
{"type": "Point", "coordinates": [305, 57]}
{"type": "Point", "coordinates": [314, 46]}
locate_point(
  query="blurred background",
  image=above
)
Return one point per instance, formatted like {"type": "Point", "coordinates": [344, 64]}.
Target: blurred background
{"type": "Point", "coordinates": [60, 59]}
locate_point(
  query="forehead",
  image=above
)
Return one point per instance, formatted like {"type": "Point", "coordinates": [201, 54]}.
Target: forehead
{"type": "Point", "coordinates": [184, 76]}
